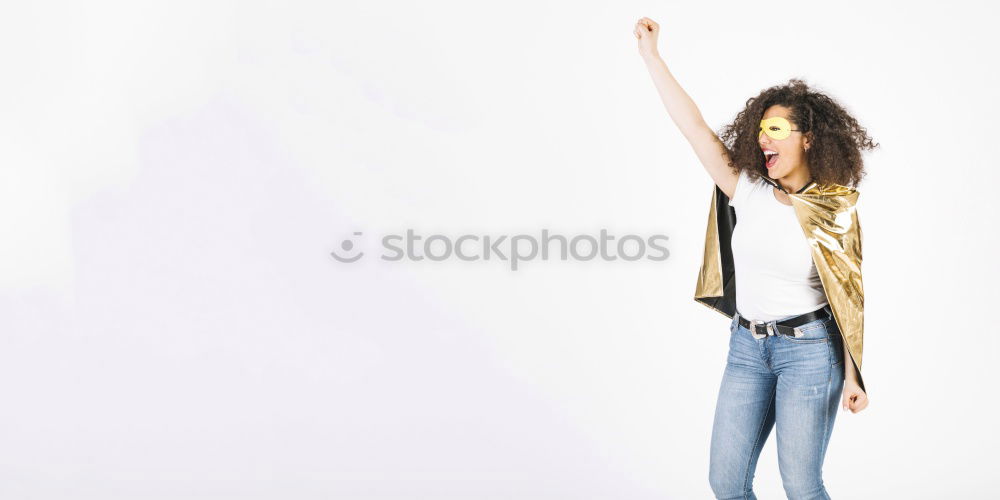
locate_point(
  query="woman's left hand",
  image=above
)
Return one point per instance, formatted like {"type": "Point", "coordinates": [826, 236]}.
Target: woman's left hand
{"type": "Point", "coordinates": [854, 398]}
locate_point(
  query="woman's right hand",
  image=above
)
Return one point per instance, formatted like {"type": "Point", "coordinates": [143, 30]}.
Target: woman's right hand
{"type": "Point", "coordinates": [647, 31]}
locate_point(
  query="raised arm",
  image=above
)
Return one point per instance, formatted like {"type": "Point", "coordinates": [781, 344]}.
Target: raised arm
{"type": "Point", "coordinates": [683, 111]}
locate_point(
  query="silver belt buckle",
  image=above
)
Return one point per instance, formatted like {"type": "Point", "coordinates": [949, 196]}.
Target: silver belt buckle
{"type": "Point", "coordinates": [753, 329]}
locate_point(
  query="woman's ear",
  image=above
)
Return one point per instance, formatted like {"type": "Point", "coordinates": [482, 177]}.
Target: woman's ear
{"type": "Point", "coordinates": [807, 140]}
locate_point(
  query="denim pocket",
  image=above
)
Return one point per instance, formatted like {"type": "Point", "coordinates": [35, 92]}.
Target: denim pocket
{"type": "Point", "coordinates": [813, 325]}
{"type": "Point", "coordinates": [811, 333]}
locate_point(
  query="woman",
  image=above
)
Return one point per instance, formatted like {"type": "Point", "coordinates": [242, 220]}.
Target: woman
{"type": "Point", "coordinates": [789, 274]}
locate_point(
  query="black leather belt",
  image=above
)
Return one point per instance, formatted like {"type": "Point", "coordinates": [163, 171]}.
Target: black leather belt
{"type": "Point", "coordinates": [784, 327]}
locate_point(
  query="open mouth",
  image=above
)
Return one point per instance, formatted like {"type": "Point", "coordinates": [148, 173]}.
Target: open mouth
{"type": "Point", "coordinates": [771, 158]}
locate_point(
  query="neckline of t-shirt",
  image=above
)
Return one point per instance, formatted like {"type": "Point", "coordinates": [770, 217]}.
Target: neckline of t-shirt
{"type": "Point", "coordinates": [764, 184]}
{"type": "Point", "coordinates": [774, 196]}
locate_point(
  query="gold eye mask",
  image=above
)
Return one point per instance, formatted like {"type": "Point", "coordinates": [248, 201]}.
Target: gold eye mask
{"type": "Point", "coordinates": [776, 127]}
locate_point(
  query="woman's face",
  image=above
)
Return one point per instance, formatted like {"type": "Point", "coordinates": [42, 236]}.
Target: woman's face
{"type": "Point", "coordinates": [791, 150]}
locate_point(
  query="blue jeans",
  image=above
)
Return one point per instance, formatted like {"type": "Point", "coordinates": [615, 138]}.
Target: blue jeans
{"type": "Point", "coordinates": [792, 383]}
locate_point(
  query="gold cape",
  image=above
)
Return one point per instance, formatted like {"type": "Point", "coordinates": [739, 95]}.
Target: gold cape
{"type": "Point", "coordinates": [827, 215]}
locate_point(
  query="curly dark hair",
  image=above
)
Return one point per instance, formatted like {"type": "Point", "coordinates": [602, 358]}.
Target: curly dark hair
{"type": "Point", "coordinates": [834, 153]}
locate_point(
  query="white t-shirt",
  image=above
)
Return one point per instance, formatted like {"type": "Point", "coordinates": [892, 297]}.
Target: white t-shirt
{"type": "Point", "coordinates": [775, 274]}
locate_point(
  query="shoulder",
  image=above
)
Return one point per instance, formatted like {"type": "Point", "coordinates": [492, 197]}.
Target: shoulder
{"type": "Point", "coordinates": [830, 189]}
{"type": "Point", "coordinates": [744, 185]}
{"type": "Point", "coordinates": [834, 197]}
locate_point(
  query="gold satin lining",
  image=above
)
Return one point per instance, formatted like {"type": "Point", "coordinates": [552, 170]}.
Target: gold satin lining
{"type": "Point", "coordinates": [710, 276]}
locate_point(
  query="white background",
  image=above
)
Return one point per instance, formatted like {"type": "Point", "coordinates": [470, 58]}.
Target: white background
{"type": "Point", "coordinates": [175, 175]}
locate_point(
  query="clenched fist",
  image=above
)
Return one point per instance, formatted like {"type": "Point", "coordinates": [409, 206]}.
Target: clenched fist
{"type": "Point", "coordinates": [646, 31]}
